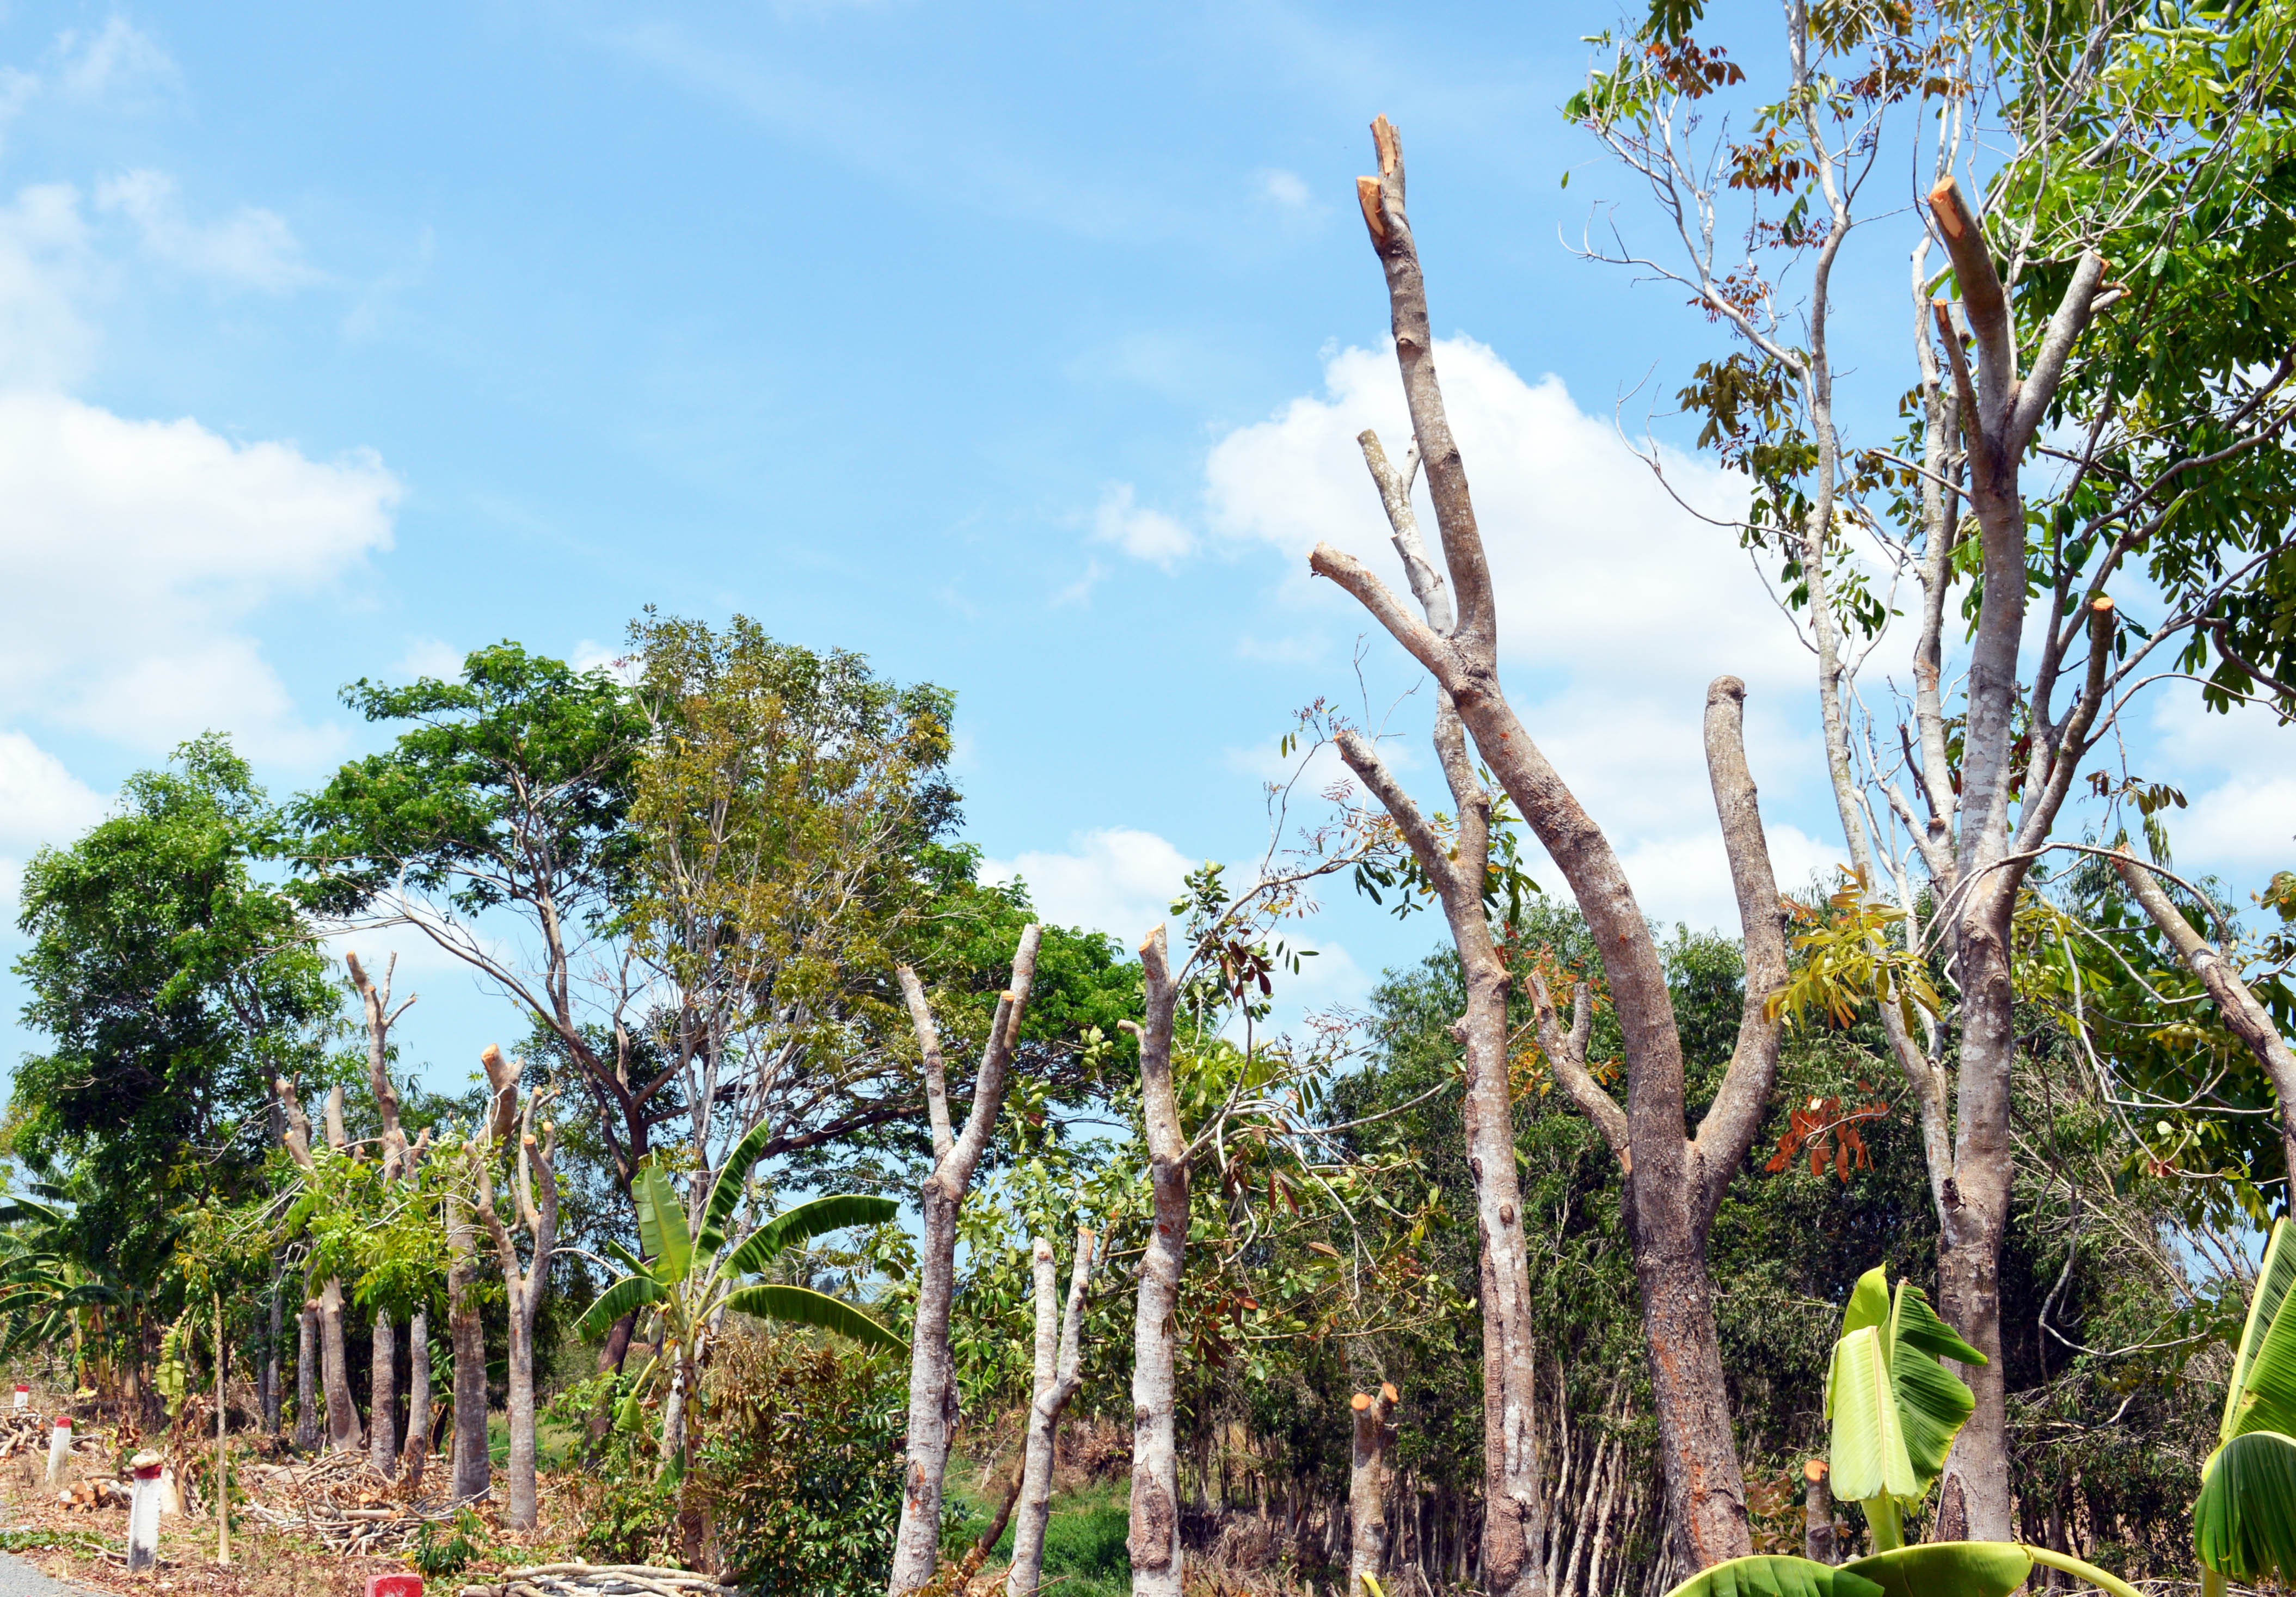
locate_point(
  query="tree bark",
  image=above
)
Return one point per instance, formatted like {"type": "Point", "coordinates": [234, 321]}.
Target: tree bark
{"type": "Point", "coordinates": [274, 1367]}
{"type": "Point", "coordinates": [1153, 1540]}
{"type": "Point", "coordinates": [306, 1394]}
{"type": "Point", "coordinates": [473, 1464]}
{"type": "Point", "coordinates": [1674, 1184]}
{"type": "Point", "coordinates": [1368, 1488]}
{"type": "Point", "coordinates": [382, 1400]}
{"type": "Point", "coordinates": [534, 1193]}
{"type": "Point", "coordinates": [417, 1451]}
{"type": "Point", "coordinates": [344, 1434]}
{"type": "Point", "coordinates": [1817, 1536]}
{"type": "Point", "coordinates": [1059, 1372]}
{"type": "Point", "coordinates": [932, 1372]}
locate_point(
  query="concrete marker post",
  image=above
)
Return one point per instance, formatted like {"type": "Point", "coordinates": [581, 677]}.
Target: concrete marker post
{"type": "Point", "coordinates": [60, 1441]}
{"type": "Point", "coordinates": [143, 1514]}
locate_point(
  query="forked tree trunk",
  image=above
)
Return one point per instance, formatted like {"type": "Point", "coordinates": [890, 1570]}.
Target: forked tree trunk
{"type": "Point", "coordinates": [1153, 1540]}
{"type": "Point", "coordinates": [398, 1160]}
{"type": "Point", "coordinates": [932, 1372]}
{"type": "Point", "coordinates": [1367, 1486]}
{"type": "Point", "coordinates": [533, 1194]}
{"type": "Point", "coordinates": [344, 1434]}
{"type": "Point", "coordinates": [1674, 1184]}
{"type": "Point", "coordinates": [1059, 1372]}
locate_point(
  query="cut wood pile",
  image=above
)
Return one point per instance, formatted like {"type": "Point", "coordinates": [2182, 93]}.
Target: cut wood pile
{"type": "Point", "coordinates": [600, 1580]}
{"type": "Point", "coordinates": [25, 1432]}
{"type": "Point", "coordinates": [340, 1501]}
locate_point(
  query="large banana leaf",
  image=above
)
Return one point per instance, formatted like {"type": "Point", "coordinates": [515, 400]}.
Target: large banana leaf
{"type": "Point", "coordinates": [2244, 1522]}
{"type": "Point", "coordinates": [1869, 1458]}
{"type": "Point", "coordinates": [661, 1226]}
{"type": "Point", "coordinates": [2262, 1396]}
{"type": "Point", "coordinates": [802, 1224]}
{"type": "Point", "coordinates": [1869, 1301]}
{"type": "Point", "coordinates": [625, 1296]}
{"type": "Point", "coordinates": [802, 1306]}
{"type": "Point", "coordinates": [1947, 1569]}
{"type": "Point", "coordinates": [1933, 1403]}
{"type": "Point", "coordinates": [726, 1196]}
{"type": "Point", "coordinates": [1768, 1575]}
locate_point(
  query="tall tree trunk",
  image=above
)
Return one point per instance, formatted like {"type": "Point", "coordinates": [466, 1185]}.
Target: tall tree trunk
{"type": "Point", "coordinates": [1153, 1540]}
{"type": "Point", "coordinates": [382, 1399]}
{"type": "Point", "coordinates": [1059, 1372]}
{"type": "Point", "coordinates": [344, 1434]}
{"type": "Point", "coordinates": [472, 1464]}
{"type": "Point", "coordinates": [534, 1195]}
{"type": "Point", "coordinates": [1368, 1488]}
{"type": "Point", "coordinates": [273, 1366]}
{"type": "Point", "coordinates": [306, 1385]}
{"type": "Point", "coordinates": [1515, 1516]}
{"type": "Point", "coordinates": [932, 1372]}
{"type": "Point", "coordinates": [1674, 1184]}
{"type": "Point", "coordinates": [417, 1451]}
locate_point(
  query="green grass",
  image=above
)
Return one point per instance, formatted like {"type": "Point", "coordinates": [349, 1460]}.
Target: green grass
{"type": "Point", "coordinates": [1084, 1540]}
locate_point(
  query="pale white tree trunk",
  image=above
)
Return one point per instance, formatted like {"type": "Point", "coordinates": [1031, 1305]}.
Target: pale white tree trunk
{"type": "Point", "coordinates": [1059, 1372]}
{"type": "Point", "coordinates": [416, 1453]}
{"type": "Point", "coordinates": [344, 1434]}
{"type": "Point", "coordinates": [1153, 1540]}
{"type": "Point", "coordinates": [1367, 1486]}
{"type": "Point", "coordinates": [534, 1191]}
{"type": "Point", "coordinates": [932, 1372]}
{"type": "Point", "coordinates": [306, 1382]}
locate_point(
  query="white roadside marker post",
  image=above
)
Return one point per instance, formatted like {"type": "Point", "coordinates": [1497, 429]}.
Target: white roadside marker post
{"type": "Point", "coordinates": [23, 1397]}
{"type": "Point", "coordinates": [143, 1515]}
{"type": "Point", "coordinates": [59, 1452]}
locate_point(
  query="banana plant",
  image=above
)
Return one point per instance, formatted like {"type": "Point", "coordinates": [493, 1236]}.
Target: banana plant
{"type": "Point", "coordinates": [1895, 1410]}
{"type": "Point", "coordinates": [690, 1278]}
{"type": "Point", "coordinates": [2244, 1521]}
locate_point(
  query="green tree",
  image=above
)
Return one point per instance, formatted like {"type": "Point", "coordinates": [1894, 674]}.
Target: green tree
{"type": "Point", "coordinates": [173, 984]}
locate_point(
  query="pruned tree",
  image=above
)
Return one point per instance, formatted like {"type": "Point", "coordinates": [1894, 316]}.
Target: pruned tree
{"type": "Point", "coordinates": [473, 1459]}
{"type": "Point", "coordinates": [1059, 1369]}
{"type": "Point", "coordinates": [1154, 1537]}
{"type": "Point", "coordinates": [344, 1434]}
{"type": "Point", "coordinates": [534, 1195]}
{"type": "Point", "coordinates": [397, 1161]}
{"type": "Point", "coordinates": [1456, 868]}
{"type": "Point", "coordinates": [2081, 445]}
{"type": "Point", "coordinates": [932, 1372]}
{"type": "Point", "coordinates": [1373, 1416]}
{"type": "Point", "coordinates": [1673, 1182]}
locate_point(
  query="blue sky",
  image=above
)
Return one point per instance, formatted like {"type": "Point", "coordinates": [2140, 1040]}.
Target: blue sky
{"type": "Point", "coordinates": [1017, 347]}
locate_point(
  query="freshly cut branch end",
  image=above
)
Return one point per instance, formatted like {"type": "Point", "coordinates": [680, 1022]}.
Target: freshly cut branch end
{"type": "Point", "coordinates": [1814, 1470]}
{"type": "Point", "coordinates": [1367, 196]}
{"type": "Point", "coordinates": [1944, 204]}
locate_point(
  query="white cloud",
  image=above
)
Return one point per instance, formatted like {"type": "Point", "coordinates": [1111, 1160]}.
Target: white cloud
{"type": "Point", "coordinates": [135, 550]}
{"type": "Point", "coordinates": [1115, 879]}
{"type": "Point", "coordinates": [1595, 567]}
{"type": "Point", "coordinates": [47, 271]}
{"type": "Point", "coordinates": [252, 247]}
{"type": "Point", "coordinates": [1143, 534]}
{"type": "Point", "coordinates": [120, 63]}
{"type": "Point", "coordinates": [1286, 190]}
{"type": "Point", "coordinates": [41, 803]}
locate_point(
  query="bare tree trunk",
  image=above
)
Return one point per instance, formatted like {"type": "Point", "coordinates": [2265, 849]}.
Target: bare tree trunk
{"type": "Point", "coordinates": [273, 1366]}
{"type": "Point", "coordinates": [417, 1451]}
{"type": "Point", "coordinates": [932, 1372]}
{"type": "Point", "coordinates": [534, 1193]}
{"type": "Point", "coordinates": [307, 1393]}
{"type": "Point", "coordinates": [1514, 1513]}
{"type": "Point", "coordinates": [1367, 1486]}
{"type": "Point", "coordinates": [1153, 1540]}
{"type": "Point", "coordinates": [472, 1463]}
{"type": "Point", "coordinates": [1817, 1539]}
{"type": "Point", "coordinates": [1059, 1372]}
{"type": "Point", "coordinates": [382, 1400]}
{"type": "Point", "coordinates": [1674, 1184]}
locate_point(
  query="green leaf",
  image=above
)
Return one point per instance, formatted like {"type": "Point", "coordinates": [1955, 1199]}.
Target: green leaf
{"type": "Point", "coordinates": [661, 1226]}
{"type": "Point", "coordinates": [2273, 1280]}
{"type": "Point", "coordinates": [733, 1179]}
{"type": "Point", "coordinates": [2244, 1521]}
{"type": "Point", "coordinates": [628, 1260]}
{"type": "Point", "coordinates": [630, 1293]}
{"type": "Point", "coordinates": [802, 1306]}
{"type": "Point", "coordinates": [1869, 1301]}
{"type": "Point", "coordinates": [1947, 1568]}
{"type": "Point", "coordinates": [1769, 1576]}
{"type": "Point", "coordinates": [805, 1222]}
{"type": "Point", "coordinates": [1933, 1403]}
{"type": "Point", "coordinates": [1869, 1455]}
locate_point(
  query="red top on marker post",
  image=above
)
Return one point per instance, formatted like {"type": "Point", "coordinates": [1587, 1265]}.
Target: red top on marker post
{"type": "Point", "coordinates": [394, 1585]}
